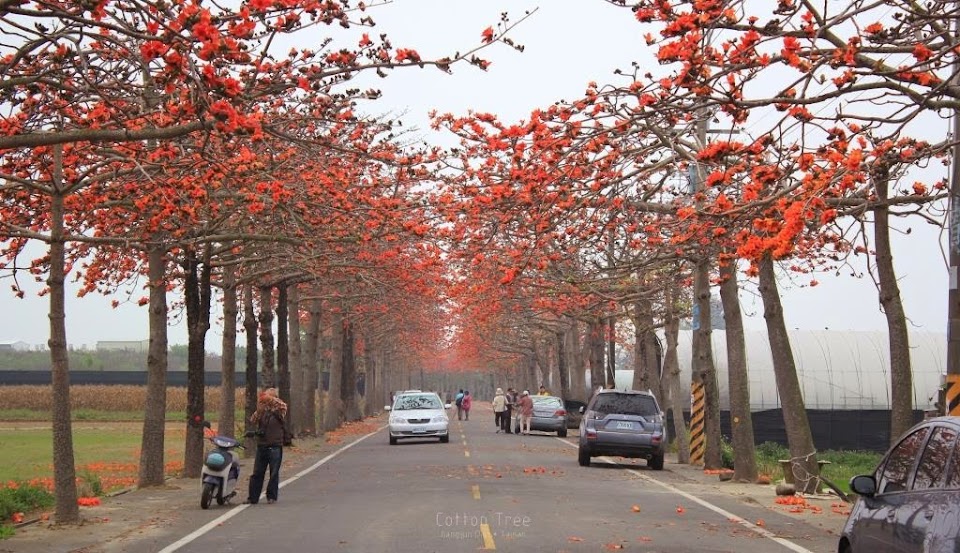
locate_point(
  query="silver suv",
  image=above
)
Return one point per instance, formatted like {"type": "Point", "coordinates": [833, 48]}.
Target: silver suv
{"type": "Point", "coordinates": [625, 424]}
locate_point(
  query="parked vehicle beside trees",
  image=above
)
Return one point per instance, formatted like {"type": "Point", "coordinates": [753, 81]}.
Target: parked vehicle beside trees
{"type": "Point", "coordinates": [549, 415]}
{"type": "Point", "coordinates": [623, 423]}
{"type": "Point", "coordinates": [911, 502]}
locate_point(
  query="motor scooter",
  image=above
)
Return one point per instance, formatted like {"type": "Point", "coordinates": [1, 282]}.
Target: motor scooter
{"type": "Point", "coordinates": [220, 471]}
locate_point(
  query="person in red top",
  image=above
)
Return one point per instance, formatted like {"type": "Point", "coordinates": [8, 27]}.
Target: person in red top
{"type": "Point", "coordinates": [467, 404]}
{"type": "Point", "coordinates": [526, 412]}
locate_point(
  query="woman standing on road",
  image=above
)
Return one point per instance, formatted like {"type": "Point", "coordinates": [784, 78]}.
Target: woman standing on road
{"type": "Point", "coordinates": [499, 409]}
{"type": "Point", "coordinates": [526, 412]}
{"type": "Point", "coordinates": [467, 404]}
{"type": "Point", "coordinates": [272, 435]}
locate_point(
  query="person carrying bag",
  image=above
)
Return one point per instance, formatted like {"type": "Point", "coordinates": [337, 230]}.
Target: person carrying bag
{"type": "Point", "coordinates": [272, 435]}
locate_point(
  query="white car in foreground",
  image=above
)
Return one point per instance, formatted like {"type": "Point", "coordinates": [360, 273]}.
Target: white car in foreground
{"type": "Point", "coordinates": [418, 415]}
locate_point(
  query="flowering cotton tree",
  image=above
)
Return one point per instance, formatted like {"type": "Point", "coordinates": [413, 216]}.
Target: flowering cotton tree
{"type": "Point", "coordinates": [139, 75]}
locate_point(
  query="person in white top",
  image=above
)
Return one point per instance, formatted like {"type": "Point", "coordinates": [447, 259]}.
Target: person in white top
{"type": "Point", "coordinates": [500, 410]}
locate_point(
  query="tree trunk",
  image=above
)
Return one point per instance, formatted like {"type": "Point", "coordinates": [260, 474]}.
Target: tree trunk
{"type": "Point", "coordinates": [595, 349]}
{"type": "Point", "coordinates": [704, 368]}
{"type": "Point", "coordinates": [226, 426]}
{"type": "Point", "coordinates": [640, 374]}
{"type": "Point", "coordinates": [578, 369]}
{"type": "Point", "coordinates": [541, 364]}
{"type": "Point", "coordinates": [348, 384]}
{"type": "Point", "coordinates": [250, 389]}
{"type": "Point", "coordinates": [676, 400]}
{"type": "Point", "coordinates": [646, 364]}
{"type": "Point", "coordinates": [562, 370]}
{"type": "Point", "coordinates": [741, 421]}
{"type": "Point", "coordinates": [901, 371]}
{"type": "Point", "coordinates": [266, 337]}
{"type": "Point", "coordinates": [611, 377]}
{"type": "Point", "coordinates": [311, 373]}
{"type": "Point", "coordinates": [197, 300]}
{"type": "Point", "coordinates": [370, 395]}
{"type": "Point", "coordinates": [283, 346]}
{"type": "Point", "coordinates": [64, 471]}
{"type": "Point", "coordinates": [333, 407]}
{"type": "Point", "coordinates": [799, 438]}
{"type": "Point", "coordinates": [155, 410]}
{"type": "Point", "coordinates": [296, 360]}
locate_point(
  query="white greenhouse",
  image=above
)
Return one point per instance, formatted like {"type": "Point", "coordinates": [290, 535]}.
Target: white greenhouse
{"type": "Point", "coordinates": [838, 370]}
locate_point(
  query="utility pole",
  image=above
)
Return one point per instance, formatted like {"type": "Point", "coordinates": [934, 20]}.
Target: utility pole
{"type": "Point", "coordinates": [952, 406]}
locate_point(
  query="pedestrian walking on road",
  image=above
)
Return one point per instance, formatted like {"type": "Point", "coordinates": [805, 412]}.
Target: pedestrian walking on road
{"type": "Point", "coordinates": [511, 403]}
{"type": "Point", "coordinates": [513, 411]}
{"type": "Point", "coordinates": [526, 412]}
{"type": "Point", "coordinates": [459, 401]}
{"type": "Point", "coordinates": [499, 409]}
{"type": "Point", "coordinates": [272, 434]}
{"type": "Point", "coordinates": [467, 404]}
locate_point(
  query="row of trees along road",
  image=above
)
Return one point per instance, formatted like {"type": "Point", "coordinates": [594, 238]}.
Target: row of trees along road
{"type": "Point", "coordinates": [178, 146]}
{"type": "Point", "coordinates": [624, 204]}
{"type": "Point", "coordinates": [189, 146]}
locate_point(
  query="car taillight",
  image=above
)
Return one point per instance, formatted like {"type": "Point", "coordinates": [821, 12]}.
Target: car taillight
{"type": "Point", "coordinates": [656, 438]}
{"type": "Point", "coordinates": [560, 413]}
{"type": "Point", "coordinates": [591, 434]}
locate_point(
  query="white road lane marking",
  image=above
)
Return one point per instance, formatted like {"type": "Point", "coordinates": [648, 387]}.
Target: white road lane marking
{"type": "Point", "coordinates": [730, 516]}
{"type": "Point", "coordinates": [239, 508]}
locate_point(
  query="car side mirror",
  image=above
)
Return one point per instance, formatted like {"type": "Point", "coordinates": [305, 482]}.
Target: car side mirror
{"type": "Point", "coordinates": [582, 409]}
{"type": "Point", "coordinates": [386, 407]}
{"type": "Point", "coordinates": [864, 484]}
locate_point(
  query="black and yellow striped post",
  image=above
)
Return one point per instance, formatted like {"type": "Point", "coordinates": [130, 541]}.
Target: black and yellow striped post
{"type": "Point", "coordinates": [953, 395]}
{"type": "Point", "coordinates": [698, 442]}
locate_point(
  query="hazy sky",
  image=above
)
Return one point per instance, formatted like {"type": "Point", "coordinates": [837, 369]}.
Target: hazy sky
{"type": "Point", "coordinates": [568, 43]}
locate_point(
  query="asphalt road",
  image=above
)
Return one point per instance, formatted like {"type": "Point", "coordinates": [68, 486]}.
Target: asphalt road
{"type": "Point", "coordinates": [486, 491]}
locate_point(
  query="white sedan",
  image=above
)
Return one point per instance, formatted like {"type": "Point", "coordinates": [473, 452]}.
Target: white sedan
{"type": "Point", "coordinates": [418, 415]}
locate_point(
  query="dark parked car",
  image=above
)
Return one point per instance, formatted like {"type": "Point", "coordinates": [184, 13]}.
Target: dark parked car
{"type": "Point", "coordinates": [911, 502]}
{"type": "Point", "coordinates": [548, 416]}
{"type": "Point", "coordinates": [623, 423]}
{"type": "Point", "coordinates": [574, 410]}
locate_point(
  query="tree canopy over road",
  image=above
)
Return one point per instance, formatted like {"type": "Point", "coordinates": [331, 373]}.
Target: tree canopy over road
{"type": "Point", "coordinates": [176, 145]}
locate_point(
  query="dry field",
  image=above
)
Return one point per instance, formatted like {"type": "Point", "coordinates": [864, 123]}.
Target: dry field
{"type": "Point", "coordinates": [118, 398]}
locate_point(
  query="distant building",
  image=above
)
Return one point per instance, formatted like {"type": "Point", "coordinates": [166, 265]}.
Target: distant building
{"type": "Point", "coordinates": [14, 346]}
{"type": "Point", "coordinates": [139, 346]}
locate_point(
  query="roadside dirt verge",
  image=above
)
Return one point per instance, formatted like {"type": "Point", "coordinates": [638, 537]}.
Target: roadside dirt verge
{"type": "Point", "coordinates": [145, 515]}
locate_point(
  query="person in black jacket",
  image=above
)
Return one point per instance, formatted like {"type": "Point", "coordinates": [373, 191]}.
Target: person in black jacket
{"type": "Point", "coordinates": [507, 418]}
{"type": "Point", "coordinates": [270, 420]}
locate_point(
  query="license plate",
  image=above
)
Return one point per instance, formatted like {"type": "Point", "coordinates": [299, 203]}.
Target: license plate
{"type": "Point", "coordinates": [419, 431]}
{"type": "Point", "coordinates": [624, 425]}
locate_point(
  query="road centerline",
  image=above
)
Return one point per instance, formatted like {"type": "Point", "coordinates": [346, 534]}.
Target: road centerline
{"type": "Point", "coordinates": [487, 536]}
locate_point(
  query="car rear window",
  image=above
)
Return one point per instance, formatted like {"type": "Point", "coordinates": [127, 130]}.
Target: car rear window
{"type": "Point", "coordinates": [626, 404]}
{"type": "Point", "coordinates": [548, 401]}
{"type": "Point", "coordinates": [409, 402]}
